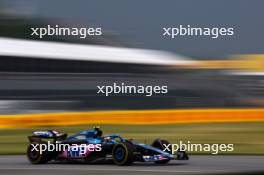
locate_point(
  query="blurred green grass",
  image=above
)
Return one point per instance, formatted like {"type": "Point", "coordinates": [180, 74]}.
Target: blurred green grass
{"type": "Point", "coordinates": [248, 138]}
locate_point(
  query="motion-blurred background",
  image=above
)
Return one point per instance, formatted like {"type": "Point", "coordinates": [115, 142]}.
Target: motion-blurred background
{"type": "Point", "coordinates": [200, 72]}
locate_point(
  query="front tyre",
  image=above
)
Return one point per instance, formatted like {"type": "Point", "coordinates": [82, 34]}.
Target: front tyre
{"type": "Point", "coordinates": [158, 143]}
{"type": "Point", "coordinates": [123, 154]}
{"type": "Point", "coordinates": [182, 155]}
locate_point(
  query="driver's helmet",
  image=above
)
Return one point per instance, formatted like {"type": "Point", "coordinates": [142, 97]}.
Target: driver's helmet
{"type": "Point", "coordinates": [99, 132]}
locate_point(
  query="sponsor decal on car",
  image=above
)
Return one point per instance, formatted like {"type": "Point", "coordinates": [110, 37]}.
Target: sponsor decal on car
{"type": "Point", "coordinates": [154, 158]}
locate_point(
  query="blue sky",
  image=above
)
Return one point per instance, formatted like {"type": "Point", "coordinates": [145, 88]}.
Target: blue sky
{"type": "Point", "coordinates": [140, 22]}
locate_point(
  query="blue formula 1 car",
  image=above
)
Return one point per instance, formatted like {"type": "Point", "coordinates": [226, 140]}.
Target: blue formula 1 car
{"type": "Point", "coordinates": [92, 147]}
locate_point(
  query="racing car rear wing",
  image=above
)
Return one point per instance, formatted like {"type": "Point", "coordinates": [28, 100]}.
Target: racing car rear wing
{"type": "Point", "coordinates": [55, 135]}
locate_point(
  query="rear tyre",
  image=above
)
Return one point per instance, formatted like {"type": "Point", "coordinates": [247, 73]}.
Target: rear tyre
{"type": "Point", "coordinates": [123, 153]}
{"type": "Point", "coordinates": [34, 155]}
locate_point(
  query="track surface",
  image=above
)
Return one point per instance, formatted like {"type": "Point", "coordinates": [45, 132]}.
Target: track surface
{"type": "Point", "coordinates": [19, 165]}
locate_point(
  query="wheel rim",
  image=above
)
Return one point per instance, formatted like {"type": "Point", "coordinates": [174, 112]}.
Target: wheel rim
{"type": "Point", "coordinates": [120, 153]}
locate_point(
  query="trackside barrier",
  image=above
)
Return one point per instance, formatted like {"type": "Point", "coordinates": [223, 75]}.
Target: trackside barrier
{"type": "Point", "coordinates": [142, 117]}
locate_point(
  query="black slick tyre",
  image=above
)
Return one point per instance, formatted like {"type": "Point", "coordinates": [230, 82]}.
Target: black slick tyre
{"type": "Point", "coordinates": [34, 156]}
{"type": "Point", "coordinates": [123, 153]}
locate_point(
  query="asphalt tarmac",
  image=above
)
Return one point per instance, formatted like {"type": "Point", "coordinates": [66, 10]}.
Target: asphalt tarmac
{"type": "Point", "coordinates": [19, 165]}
